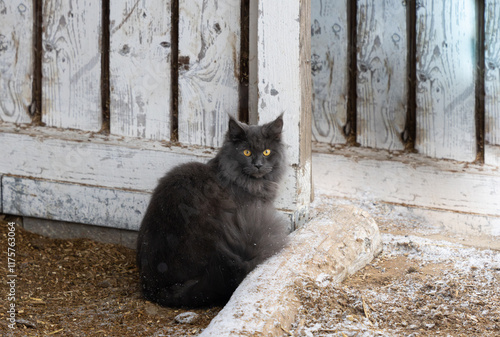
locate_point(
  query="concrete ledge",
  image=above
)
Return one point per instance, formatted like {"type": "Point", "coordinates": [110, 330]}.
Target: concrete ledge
{"type": "Point", "coordinates": [331, 246]}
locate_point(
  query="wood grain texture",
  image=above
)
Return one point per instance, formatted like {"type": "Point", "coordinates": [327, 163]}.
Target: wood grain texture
{"type": "Point", "coordinates": [446, 73]}
{"type": "Point", "coordinates": [329, 69]}
{"type": "Point", "coordinates": [492, 155]}
{"type": "Point", "coordinates": [74, 203]}
{"type": "Point", "coordinates": [492, 82]}
{"type": "Point", "coordinates": [409, 181]}
{"type": "Point", "coordinates": [71, 64]}
{"type": "Point", "coordinates": [284, 86]}
{"type": "Point", "coordinates": [336, 243]}
{"type": "Point", "coordinates": [209, 54]}
{"type": "Point", "coordinates": [140, 68]}
{"type": "Point", "coordinates": [16, 60]}
{"type": "Point", "coordinates": [382, 81]}
{"type": "Point", "coordinates": [467, 225]}
{"type": "Point", "coordinates": [110, 162]}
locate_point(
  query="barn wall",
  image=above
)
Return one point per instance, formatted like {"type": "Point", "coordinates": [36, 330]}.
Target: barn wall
{"type": "Point", "coordinates": [418, 80]}
{"type": "Point", "coordinates": [421, 90]}
{"type": "Point", "coordinates": [130, 89]}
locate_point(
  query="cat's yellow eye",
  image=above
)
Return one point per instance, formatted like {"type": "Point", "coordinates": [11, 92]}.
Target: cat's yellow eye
{"type": "Point", "coordinates": [247, 153]}
{"type": "Point", "coordinates": [266, 152]}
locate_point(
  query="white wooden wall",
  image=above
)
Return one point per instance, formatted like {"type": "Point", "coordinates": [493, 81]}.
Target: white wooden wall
{"type": "Point", "coordinates": [418, 94]}
{"type": "Point", "coordinates": [445, 87]}
{"type": "Point", "coordinates": [72, 149]}
{"type": "Point", "coordinates": [92, 160]}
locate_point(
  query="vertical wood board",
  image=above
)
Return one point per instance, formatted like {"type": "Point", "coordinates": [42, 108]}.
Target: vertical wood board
{"type": "Point", "coordinates": [492, 75]}
{"type": "Point", "coordinates": [382, 81]}
{"type": "Point", "coordinates": [284, 86]}
{"type": "Point", "coordinates": [16, 60]}
{"type": "Point", "coordinates": [279, 83]}
{"type": "Point", "coordinates": [329, 69]}
{"type": "Point", "coordinates": [446, 75]}
{"type": "Point", "coordinates": [140, 85]}
{"type": "Point", "coordinates": [209, 56]}
{"type": "Point", "coordinates": [71, 64]}
{"type": "Point", "coordinates": [253, 64]}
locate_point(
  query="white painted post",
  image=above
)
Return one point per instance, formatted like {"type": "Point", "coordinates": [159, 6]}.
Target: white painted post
{"type": "Point", "coordinates": [284, 86]}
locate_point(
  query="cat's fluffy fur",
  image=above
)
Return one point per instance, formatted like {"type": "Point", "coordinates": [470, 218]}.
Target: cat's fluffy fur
{"type": "Point", "coordinates": [208, 225]}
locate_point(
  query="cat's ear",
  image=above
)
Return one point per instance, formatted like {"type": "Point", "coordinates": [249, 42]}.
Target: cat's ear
{"type": "Point", "coordinates": [236, 131]}
{"type": "Point", "coordinates": [274, 128]}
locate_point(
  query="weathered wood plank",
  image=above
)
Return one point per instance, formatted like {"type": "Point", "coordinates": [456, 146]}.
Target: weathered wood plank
{"type": "Point", "coordinates": [284, 86]}
{"type": "Point", "coordinates": [82, 158]}
{"type": "Point", "coordinates": [16, 60]}
{"type": "Point", "coordinates": [253, 64]}
{"type": "Point", "coordinates": [330, 70]}
{"type": "Point", "coordinates": [409, 180]}
{"type": "Point", "coordinates": [492, 82]}
{"type": "Point", "coordinates": [337, 243]}
{"type": "Point", "coordinates": [471, 226]}
{"type": "Point", "coordinates": [382, 81]}
{"type": "Point", "coordinates": [209, 53]}
{"type": "Point", "coordinates": [492, 155]}
{"type": "Point", "coordinates": [71, 64]}
{"type": "Point", "coordinates": [446, 73]}
{"type": "Point", "coordinates": [139, 62]}
{"type": "Point", "coordinates": [74, 203]}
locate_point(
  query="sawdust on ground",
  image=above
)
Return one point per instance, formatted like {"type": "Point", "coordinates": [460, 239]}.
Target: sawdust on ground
{"type": "Point", "coordinates": [418, 286]}
{"type": "Point", "coordinates": [82, 288]}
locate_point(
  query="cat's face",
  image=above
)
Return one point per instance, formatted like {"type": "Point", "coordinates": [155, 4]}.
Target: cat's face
{"type": "Point", "coordinates": [256, 151]}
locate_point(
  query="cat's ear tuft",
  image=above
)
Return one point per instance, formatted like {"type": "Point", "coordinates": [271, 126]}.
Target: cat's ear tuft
{"type": "Point", "coordinates": [236, 130]}
{"type": "Point", "coordinates": [274, 128]}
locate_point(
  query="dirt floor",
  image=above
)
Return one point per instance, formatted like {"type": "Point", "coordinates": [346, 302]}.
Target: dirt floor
{"type": "Point", "coordinates": [81, 288]}
{"type": "Point", "coordinates": [400, 294]}
{"type": "Point", "coordinates": [421, 285]}
{"type": "Point", "coordinates": [417, 287]}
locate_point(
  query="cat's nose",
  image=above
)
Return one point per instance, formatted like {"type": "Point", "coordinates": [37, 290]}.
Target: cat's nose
{"type": "Point", "coordinates": [258, 165]}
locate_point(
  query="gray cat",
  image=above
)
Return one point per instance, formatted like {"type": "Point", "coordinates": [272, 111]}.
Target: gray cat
{"type": "Point", "coordinates": [208, 225]}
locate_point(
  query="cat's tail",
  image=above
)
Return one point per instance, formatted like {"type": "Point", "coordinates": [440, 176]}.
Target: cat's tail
{"type": "Point", "coordinates": [255, 233]}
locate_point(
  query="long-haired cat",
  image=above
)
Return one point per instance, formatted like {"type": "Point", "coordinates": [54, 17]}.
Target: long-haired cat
{"type": "Point", "coordinates": [208, 225]}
